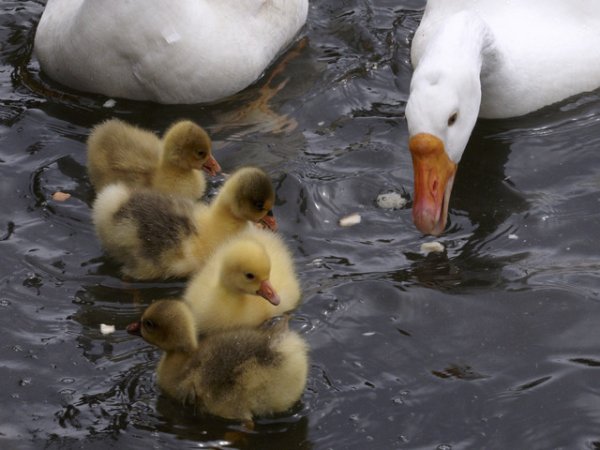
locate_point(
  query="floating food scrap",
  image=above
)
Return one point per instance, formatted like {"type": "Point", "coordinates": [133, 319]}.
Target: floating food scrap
{"type": "Point", "coordinates": [391, 200]}
{"type": "Point", "coordinates": [60, 196]}
{"type": "Point", "coordinates": [513, 236]}
{"type": "Point", "coordinates": [350, 220]}
{"type": "Point", "coordinates": [110, 103]}
{"type": "Point", "coordinates": [107, 329]}
{"type": "Point", "coordinates": [432, 247]}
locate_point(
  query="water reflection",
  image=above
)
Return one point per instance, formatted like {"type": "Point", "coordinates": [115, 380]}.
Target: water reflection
{"type": "Point", "coordinates": [290, 431]}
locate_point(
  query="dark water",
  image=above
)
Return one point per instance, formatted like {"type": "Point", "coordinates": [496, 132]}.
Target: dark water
{"type": "Point", "coordinates": [493, 345]}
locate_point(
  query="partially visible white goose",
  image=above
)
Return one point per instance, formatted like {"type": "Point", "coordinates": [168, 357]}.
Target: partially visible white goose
{"type": "Point", "coordinates": [184, 51]}
{"type": "Point", "coordinates": [492, 59]}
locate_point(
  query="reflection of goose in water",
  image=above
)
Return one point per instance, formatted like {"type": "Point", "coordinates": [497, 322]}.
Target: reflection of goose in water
{"type": "Point", "coordinates": [196, 51]}
{"type": "Point", "coordinates": [489, 59]}
{"type": "Point", "coordinates": [485, 178]}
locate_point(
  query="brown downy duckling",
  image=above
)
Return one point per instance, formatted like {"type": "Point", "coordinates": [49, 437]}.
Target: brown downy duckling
{"type": "Point", "coordinates": [120, 152]}
{"type": "Point", "coordinates": [155, 235]}
{"type": "Point", "coordinates": [238, 374]}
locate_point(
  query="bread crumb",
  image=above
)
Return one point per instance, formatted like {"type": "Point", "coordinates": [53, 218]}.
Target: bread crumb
{"type": "Point", "coordinates": [391, 200]}
{"type": "Point", "coordinates": [59, 196]}
{"type": "Point", "coordinates": [352, 219]}
{"type": "Point", "coordinates": [432, 247]}
{"type": "Point", "coordinates": [107, 329]}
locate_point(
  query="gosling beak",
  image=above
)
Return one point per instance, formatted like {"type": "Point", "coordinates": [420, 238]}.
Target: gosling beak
{"type": "Point", "coordinates": [269, 221]}
{"type": "Point", "coordinates": [135, 328]}
{"type": "Point", "coordinates": [211, 166]}
{"type": "Point", "coordinates": [267, 292]}
{"type": "Point", "coordinates": [434, 175]}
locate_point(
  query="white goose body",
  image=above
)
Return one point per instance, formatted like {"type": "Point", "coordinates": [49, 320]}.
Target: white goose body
{"type": "Point", "coordinates": [491, 59]}
{"type": "Point", "coordinates": [187, 51]}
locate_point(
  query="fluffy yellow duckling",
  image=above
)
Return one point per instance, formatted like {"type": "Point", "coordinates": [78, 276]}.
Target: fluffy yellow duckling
{"type": "Point", "coordinates": [120, 152]}
{"type": "Point", "coordinates": [235, 374]}
{"type": "Point", "coordinates": [155, 235]}
{"type": "Point", "coordinates": [247, 280]}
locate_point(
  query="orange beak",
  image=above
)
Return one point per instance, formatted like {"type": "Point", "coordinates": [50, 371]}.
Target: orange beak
{"type": "Point", "coordinates": [211, 166]}
{"type": "Point", "coordinates": [135, 328]}
{"type": "Point", "coordinates": [267, 292]}
{"type": "Point", "coordinates": [434, 176]}
{"type": "Point", "coordinates": [269, 221]}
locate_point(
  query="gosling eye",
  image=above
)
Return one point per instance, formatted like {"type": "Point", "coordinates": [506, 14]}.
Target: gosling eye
{"type": "Point", "coordinates": [149, 324]}
{"type": "Point", "coordinates": [259, 205]}
{"type": "Point", "coordinates": [201, 154]}
{"type": "Point", "coordinates": [250, 276]}
{"type": "Point", "coordinates": [452, 119]}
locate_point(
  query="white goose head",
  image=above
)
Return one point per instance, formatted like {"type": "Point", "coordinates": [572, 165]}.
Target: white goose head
{"type": "Point", "coordinates": [444, 101]}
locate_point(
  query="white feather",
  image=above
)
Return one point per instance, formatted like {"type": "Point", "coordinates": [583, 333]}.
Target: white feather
{"type": "Point", "coordinates": [187, 51]}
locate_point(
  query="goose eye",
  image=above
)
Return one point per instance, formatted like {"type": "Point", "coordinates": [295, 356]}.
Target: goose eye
{"type": "Point", "coordinates": [250, 276]}
{"type": "Point", "coordinates": [452, 119]}
{"type": "Point", "coordinates": [149, 324]}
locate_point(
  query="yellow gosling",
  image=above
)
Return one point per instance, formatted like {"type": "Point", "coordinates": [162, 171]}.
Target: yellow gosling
{"type": "Point", "coordinates": [120, 152]}
{"type": "Point", "coordinates": [247, 280]}
{"type": "Point", "coordinates": [237, 374]}
{"type": "Point", "coordinates": [160, 236]}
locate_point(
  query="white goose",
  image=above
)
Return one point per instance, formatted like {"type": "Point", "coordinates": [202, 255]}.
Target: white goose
{"type": "Point", "coordinates": [492, 59]}
{"type": "Point", "coordinates": [187, 51]}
